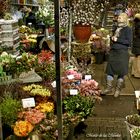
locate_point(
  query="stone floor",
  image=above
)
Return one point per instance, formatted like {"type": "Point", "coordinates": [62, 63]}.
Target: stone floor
{"type": "Point", "coordinates": [108, 120]}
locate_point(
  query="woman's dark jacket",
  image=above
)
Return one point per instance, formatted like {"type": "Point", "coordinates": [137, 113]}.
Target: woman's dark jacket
{"type": "Point", "coordinates": [136, 37]}
{"type": "Point", "coordinates": [124, 39]}
{"type": "Point", "coordinates": [118, 56]}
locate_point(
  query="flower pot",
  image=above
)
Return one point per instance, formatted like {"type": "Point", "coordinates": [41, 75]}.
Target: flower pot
{"type": "Point", "coordinates": [82, 32]}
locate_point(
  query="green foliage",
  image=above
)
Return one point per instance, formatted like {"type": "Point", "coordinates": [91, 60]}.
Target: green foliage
{"type": "Point", "coordinates": [9, 108]}
{"type": "Point", "coordinates": [46, 71]}
{"type": "Point", "coordinates": [17, 65]}
{"type": "Point", "coordinates": [78, 105]}
{"type": "Point", "coordinates": [136, 134]}
{"type": "Point", "coordinates": [134, 119]}
{"type": "Point", "coordinates": [8, 16]}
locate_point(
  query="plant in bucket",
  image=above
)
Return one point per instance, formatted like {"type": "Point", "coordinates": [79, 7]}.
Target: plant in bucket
{"type": "Point", "coordinates": [132, 123]}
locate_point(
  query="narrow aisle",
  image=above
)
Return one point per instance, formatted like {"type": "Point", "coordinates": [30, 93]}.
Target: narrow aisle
{"type": "Point", "coordinates": [108, 119]}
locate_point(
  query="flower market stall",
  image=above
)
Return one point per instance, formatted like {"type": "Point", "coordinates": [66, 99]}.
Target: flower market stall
{"type": "Point", "coordinates": [46, 70]}
{"type": "Point", "coordinates": [35, 104]}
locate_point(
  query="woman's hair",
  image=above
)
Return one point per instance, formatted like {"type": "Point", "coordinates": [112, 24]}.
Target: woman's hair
{"type": "Point", "coordinates": [124, 17]}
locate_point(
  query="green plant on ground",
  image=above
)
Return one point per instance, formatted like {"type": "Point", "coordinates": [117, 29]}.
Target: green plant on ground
{"type": "Point", "coordinates": [133, 119]}
{"type": "Point", "coordinates": [136, 134]}
{"type": "Point", "coordinates": [78, 105]}
{"type": "Point", "coordinates": [9, 108]}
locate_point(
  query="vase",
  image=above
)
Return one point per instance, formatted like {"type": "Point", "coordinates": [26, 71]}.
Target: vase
{"type": "Point", "coordinates": [82, 32]}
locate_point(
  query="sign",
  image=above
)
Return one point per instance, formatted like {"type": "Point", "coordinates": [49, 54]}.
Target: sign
{"type": "Point", "coordinates": [70, 76]}
{"type": "Point", "coordinates": [28, 102]}
{"type": "Point", "coordinates": [73, 92]}
{"type": "Point", "coordinates": [54, 84]}
{"type": "Point", "coordinates": [87, 77]}
{"type": "Point", "coordinates": [137, 93]}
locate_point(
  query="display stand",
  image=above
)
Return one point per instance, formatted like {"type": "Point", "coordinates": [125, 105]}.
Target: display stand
{"type": "Point", "coordinates": [10, 36]}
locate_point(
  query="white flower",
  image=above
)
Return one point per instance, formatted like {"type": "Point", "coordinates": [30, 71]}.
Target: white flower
{"type": "Point", "coordinates": [4, 54]}
{"type": "Point", "coordinates": [85, 11]}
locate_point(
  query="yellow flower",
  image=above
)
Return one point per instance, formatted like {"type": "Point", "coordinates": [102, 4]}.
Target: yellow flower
{"type": "Point", "coordinates": [45, 107]}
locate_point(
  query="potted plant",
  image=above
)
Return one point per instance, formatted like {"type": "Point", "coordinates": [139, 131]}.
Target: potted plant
{"type": "Point", "coordinates": [45, 14]}
{"type": "Point", "coordinates": [132, 122]}
{"type": "Point", "coordinates": [9, 108]}
{"type": "Point", "coordinates": [84, 14]}
{"type": "Point", "coordinates": [133, 119]}
{"type": "Point", "coordinates": [78, 106]}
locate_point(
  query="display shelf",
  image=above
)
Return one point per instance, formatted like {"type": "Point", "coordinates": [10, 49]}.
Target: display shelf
{"type": "Point", "coordinates": [32, 5]}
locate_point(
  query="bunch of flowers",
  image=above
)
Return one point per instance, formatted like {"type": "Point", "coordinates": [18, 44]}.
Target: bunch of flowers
{"type": "Point", "coordinates": [45, 57]}
{"type": "Point", "coordinates": [45, 107]}
{"type": "Point", "coordinates": [23, 128]}
{"type": "Point", "coordinates": [34, 116]}
{"type": "Point", "coordinates": [17, 64]}
{"type": "Point", "coordinates": [48, 128]}
{"type": "Point", "coordinates": [24, 29]}
{"type": "Point", "coordinates": [6, 61]}
{"type": "Point", "coordinates": [46, 14]}
{"type": "Point", "coordinates": [35, 89]}
{"type": "Point", "coordinates": [86, 11]}
{"type": "Point", "coordinates": [46, 67]}
{"type": "Point", "coordinates": [28, 122]}
{"type": "Point", "coordinates": [25, 62]}
{"type": "Point", "coordinates": [28, 43]}
{"type": "Point", "coordinates": [90, 88]}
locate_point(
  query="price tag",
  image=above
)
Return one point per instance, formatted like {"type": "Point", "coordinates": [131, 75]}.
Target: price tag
{"type": "Point", "coordinates": [87, 77]}
{"type": "Point", "coordinates": [28, 102]}
{"type": "Point", "coordinates": [54, 84]}
{"type": "Point", "coordinates": [70, 76]}
{"type": "Point", "coordinates": [73, 92]}
{"type": "Point", "coordinates": [137, 93]}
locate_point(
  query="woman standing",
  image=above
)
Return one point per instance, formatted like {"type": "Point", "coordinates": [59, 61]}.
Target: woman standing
{"type": "Point", "coordinates": [118, 57]}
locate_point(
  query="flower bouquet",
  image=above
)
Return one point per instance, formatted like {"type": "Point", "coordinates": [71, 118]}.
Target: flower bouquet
{"type": "Point", "coordinates": [37, 90]}
{"type": "Point", "coordinates": [46, 66]}
{"type": "Point", "coordinates": [45, 14]}
{"type": "Point", "coordinates": [23, 128]}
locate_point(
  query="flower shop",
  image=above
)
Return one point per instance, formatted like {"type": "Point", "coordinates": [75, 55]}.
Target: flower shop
{"type": "Point", "coordinates": [47, 55]}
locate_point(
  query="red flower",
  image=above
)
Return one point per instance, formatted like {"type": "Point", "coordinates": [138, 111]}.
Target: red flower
{"type": "Point", "coordinates": [45, 56]}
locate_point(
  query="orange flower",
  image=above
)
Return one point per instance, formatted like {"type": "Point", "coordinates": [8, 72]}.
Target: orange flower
{"type": "Point", "coordinates": [23, 128]}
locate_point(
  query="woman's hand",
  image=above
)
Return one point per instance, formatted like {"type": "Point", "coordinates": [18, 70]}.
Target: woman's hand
{"type": "Point", "coordinates": [114, 38]}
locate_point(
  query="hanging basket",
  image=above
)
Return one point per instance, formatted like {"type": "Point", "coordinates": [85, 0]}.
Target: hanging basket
{"type": "Point", "coordinates": [82, 32]}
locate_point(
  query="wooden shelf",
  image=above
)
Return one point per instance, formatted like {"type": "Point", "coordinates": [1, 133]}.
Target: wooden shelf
{"type": "Point", "coordinates": [33, 5]}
